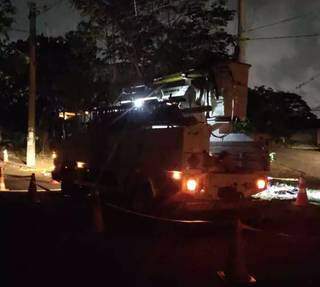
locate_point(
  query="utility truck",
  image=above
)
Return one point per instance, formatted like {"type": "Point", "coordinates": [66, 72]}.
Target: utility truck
{"type": "Point", "coordinates": [170, 143]}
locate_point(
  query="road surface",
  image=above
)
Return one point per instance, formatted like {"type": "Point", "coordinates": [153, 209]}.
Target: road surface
{"type": "Point", "coordinates": [17, 178]}
{"type": "Point", "coordinates": [52, 243]}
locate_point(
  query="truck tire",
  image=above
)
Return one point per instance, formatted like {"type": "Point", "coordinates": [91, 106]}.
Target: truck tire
{"type": "Point", "coordinates": [66, 187]}
{"type": "Point", "coordinates": [67, 174]}
{"type": "Point", "coordinates": [142, 197]}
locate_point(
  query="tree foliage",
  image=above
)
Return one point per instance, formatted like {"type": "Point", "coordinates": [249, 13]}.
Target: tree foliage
{"type": "Point", "coordinates": [69, 77]}
{"type": "Point", "coordinates": [7, 82]}
{"type": "Point", "coordinates": [6, 16]}
{"type": "Point", "coordinates": [278, 113]}
{"type": "Point", "coordinates": [13, 88]}
{"type": "Point", "coordinates": [158, 37]}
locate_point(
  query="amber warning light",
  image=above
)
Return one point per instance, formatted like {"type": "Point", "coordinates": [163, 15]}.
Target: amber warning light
{"type": "Point", "coordinates": [54, 155]}
{"type": "Point", "coordinates": [176, 175]}
{"type": "Point", "coordinates": [261, 183]}
{"type": "Point", "coordinates": [192, 185]}
{"type": "Point", "coordinates": [80, 164]}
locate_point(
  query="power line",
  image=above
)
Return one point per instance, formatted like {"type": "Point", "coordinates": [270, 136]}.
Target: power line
{"type": "Point", "coordinates": [286, 20]}
{"type": "Point", "coordinates": [314, 77]}
{"type": "Point", "coordinates": [18, 30]}
{"type": "Point", "coordinates": [283, 37]}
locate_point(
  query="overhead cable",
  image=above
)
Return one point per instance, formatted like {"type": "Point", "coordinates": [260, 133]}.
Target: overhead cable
{"type": "Point", "coordinates": [286, 20]}
{"type": "Point", "coordinates": [18, 30]}
{"type": "Point", "coordinates": [316, 76]}
{"type": "Point", "coordinates": [282, 37]}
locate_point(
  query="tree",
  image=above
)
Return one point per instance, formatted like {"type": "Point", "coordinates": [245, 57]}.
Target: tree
{"type": "Point", "coordinates": [70, 77]}
{"type": "Point", "coordinates": [158, 37]}
{"type": "Point", "coordinates": [6, 83]}
{"type": "Point", "coordinates": [6, 17]}
{"type": "Point", "coordinates": [84, 82]}
{"type": "Point", "coordinates": [278, 113]}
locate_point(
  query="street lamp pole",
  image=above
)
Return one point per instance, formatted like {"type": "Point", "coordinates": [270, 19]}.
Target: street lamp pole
{"type": "Point", "coordinates": [31, 141]}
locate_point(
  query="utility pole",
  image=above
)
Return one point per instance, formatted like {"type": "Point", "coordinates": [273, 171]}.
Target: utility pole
{"type": "Point", "coordinates": [31, 140]}
{"type": "Point", "coordinates": [241, 53]}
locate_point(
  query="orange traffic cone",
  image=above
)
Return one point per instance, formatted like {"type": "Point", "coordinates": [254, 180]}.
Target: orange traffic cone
{"type": "Point", "coordinates": [236, 270]}
{"type": "Point", "coordinates": [32, 190]}
{"type": "Point", "coordinates": [2, 183]}
{"type": "Point", "coordinates": [97, 215]}
{"type": "Point", "coordinates": [302, 197]}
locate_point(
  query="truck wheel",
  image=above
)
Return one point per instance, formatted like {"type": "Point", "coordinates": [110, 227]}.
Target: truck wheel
{"type": "Point", "coordinates": [142, 198]}
{"type": "Point", "coordinates": [67, 180]}
{"type": "Point", "coordinates": [70, 188]}
{"type": "Point", "coordinates": [74, 190]}
{"type": "Point", "coordinates": [67, 187]}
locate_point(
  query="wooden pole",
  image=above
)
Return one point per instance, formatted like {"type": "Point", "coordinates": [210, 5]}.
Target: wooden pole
{"type": "Point", "coordinates": [31, 142]}
{"type": "Point", "coordinates": [241, 31]}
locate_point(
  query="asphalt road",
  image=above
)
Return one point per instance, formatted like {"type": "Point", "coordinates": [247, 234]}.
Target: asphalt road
{"type": "Point", "coordinates": [53, 243]}
{"type": "Point", "coordinates": [21, 183]}
{"type": "Point", "coordinates": [17, 178]}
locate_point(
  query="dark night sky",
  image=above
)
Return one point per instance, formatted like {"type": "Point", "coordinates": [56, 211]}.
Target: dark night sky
{"type": "Point", "coordinates": [284, 64]}
{"type": "Point", "coordinates": [60, 19]}
{"type": "Point", "coordinates": [281, 64]}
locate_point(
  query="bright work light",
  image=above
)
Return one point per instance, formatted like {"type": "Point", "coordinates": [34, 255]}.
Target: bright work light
{"type": "Point", "coordinates": [138, 103]}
